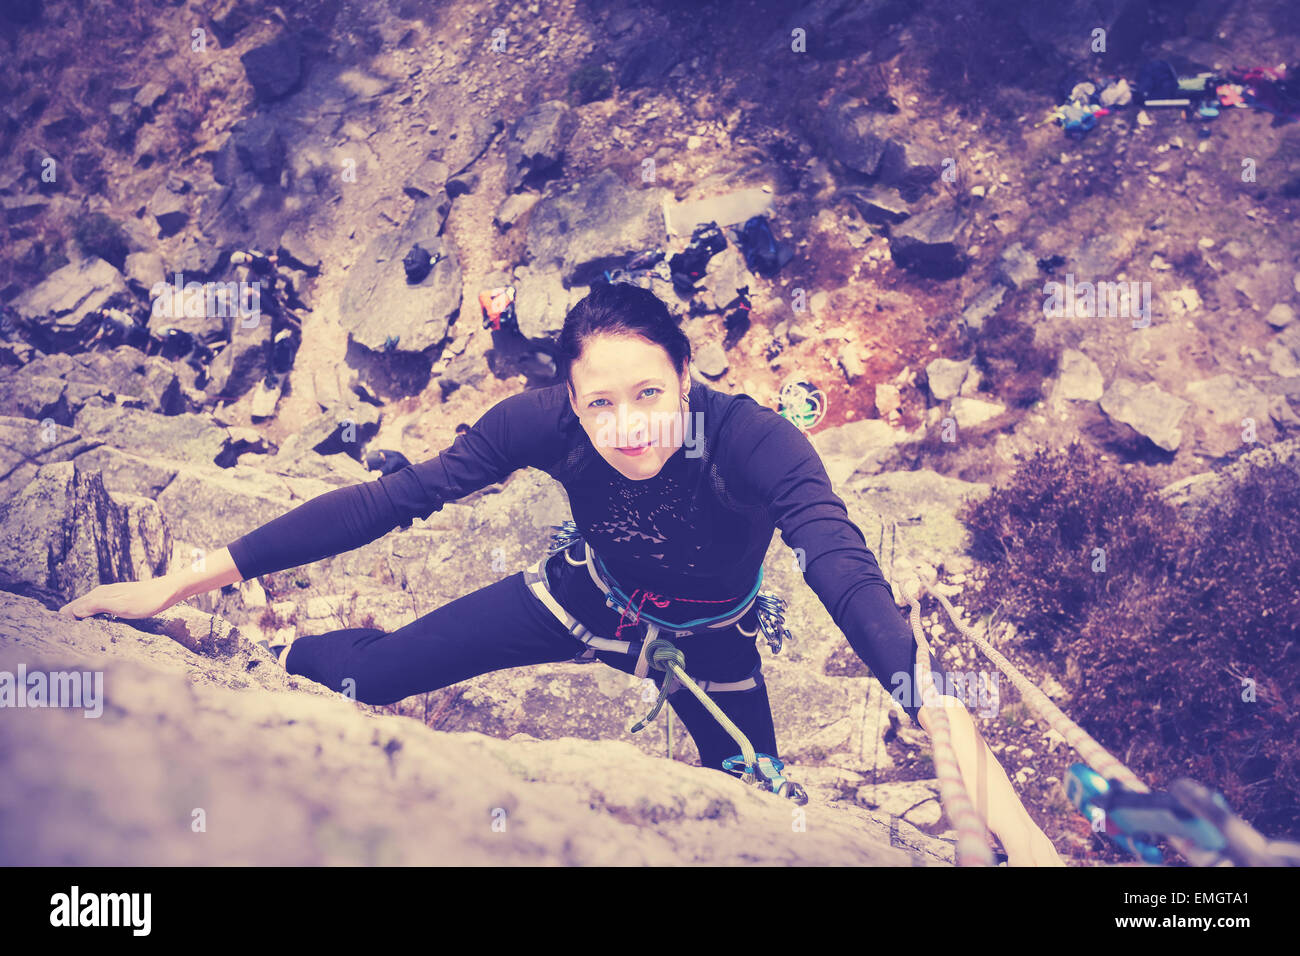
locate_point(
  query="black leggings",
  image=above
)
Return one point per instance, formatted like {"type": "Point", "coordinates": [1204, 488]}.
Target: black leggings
{"type": "Point", "coordinates": [504, 625]}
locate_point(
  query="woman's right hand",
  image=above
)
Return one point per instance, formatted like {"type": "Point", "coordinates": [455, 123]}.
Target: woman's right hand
{"type": "Point", "coordinates": [127, 599]}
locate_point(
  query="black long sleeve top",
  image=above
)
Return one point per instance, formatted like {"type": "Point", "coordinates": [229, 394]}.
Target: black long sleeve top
{"type": "Point", "coordinates": [698, 529]}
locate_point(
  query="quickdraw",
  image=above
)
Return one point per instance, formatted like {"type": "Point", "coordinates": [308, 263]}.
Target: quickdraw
{"type": "Point", "coordinates": [765, 772]}
{"type": "Point", "coordinates": [758, 769]}
{"type": "Point", "coordinates": [1134, 820]}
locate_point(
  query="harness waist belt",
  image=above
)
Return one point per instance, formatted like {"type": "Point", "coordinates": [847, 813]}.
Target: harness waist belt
{"type": "Point", "coordinates": [535, 578]}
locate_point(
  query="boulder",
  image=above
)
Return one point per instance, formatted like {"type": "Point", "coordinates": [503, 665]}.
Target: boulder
{"type": "Point", "coordinates": [945, 377]}
{"type": "Point", "coordinates": [888, 400]}
{"type": "Point", "coordinates": [535, 146]}
{"type": "Point", "coordinates": [1280, 316]}
{"type": "Point", "coordinates": [427, 180]}
{"type": "Point", "coordinates": [858, 137]}
{"type": "Point", "coordinates": [169, 207]}
{"type": "Point", "coordinates": [1079, 378]}
{"type": "Point", "coordinates": [931, 242]}
{"type": "Point", "coordinates": [850, 361]}
{"type": "Point", "coordinates": [594, 225]}
{"type": "Point", "coordinates": [187, 437]}
{"type": "Point", "coordinates": [513, 208]}
{"type": "Point", "coordinates": [61, 309]}
{"type": "Point", "coordinates": [981, 307]}
{"type": "Point", "coordinates": [1197, 492]}
{"type": "Point", "coordinates": [711, 360]}
{"type": "Point", "coordinates": [274, 69]}
{"type": "Point", "coordinates": [1017, 266]}
{"type": "Point", "coordinates": [1221, 406]}
{"type": "Point", "coordinates": [969, 412]}
{"type": "Point", "coordinates": [258, 147]}
{"type": "Point", "coordinates": [909, 166]}
{"type": "Point", "coordinates": [1148, 410]}
{"type": "Point", "coordinates": [878, 204]}
{"type": "Point", "coordinates": [541, 303]}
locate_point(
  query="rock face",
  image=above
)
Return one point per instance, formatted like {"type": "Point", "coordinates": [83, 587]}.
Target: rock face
{"type": "Point", "coordinates": [263, 769]}
{"type": "Point", "coordinates": [92, 536]}
{"type": "Point", "coordinates": [1148, 410]}
{"type": "Point", "coordinates": [382, 311]}
{"type": "Point", "coordinates": [597, 224]}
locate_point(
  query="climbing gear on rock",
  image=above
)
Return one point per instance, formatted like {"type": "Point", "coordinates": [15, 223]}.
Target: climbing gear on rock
{"type": "Point", "coordinates": [765, 771]}
{"type": "Point", "coordinates": [498, 307]}
{"type": "Point", "coordinates": [801, 403]}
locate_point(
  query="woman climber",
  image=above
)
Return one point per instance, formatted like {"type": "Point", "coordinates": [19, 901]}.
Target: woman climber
{"type": "Point", "coordinates": [675, 490]}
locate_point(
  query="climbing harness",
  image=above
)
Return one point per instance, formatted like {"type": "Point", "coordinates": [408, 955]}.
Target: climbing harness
{"type": "Point", "coordinates": [655, 651]}
{"type": "Point", "coordinates": [1197, 821]}
{"type": "Point", "coordinates": [768, 607]}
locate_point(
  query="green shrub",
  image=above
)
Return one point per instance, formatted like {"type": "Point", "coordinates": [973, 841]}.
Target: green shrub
{"type": "Point", "coordinates": [1040, 535]}
{"type": "Point", "coordinates": [591, 82]}
{"type": "Point", "coordinates": [100, 235]}
{"type": "Point", "coordinates": [1190, 614]}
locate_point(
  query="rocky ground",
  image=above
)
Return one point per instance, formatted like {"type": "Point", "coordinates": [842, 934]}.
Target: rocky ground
{"type": "Point", "coordinates": [339, 134]}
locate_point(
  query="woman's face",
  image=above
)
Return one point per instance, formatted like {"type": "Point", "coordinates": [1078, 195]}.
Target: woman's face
{"type": "Point", "coordinates": [628, 396]}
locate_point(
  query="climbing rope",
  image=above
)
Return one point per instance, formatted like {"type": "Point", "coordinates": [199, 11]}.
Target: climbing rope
{"type": "Point", "coordinates": [973, 845]}
{"type": "Point", "coordinates": [954, 798]}
{"type": "Point", "coordinates": [801, 403]}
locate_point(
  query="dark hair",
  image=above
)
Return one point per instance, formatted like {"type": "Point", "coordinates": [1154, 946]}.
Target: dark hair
{"type": "Point", "coordinates": [620, 308]}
